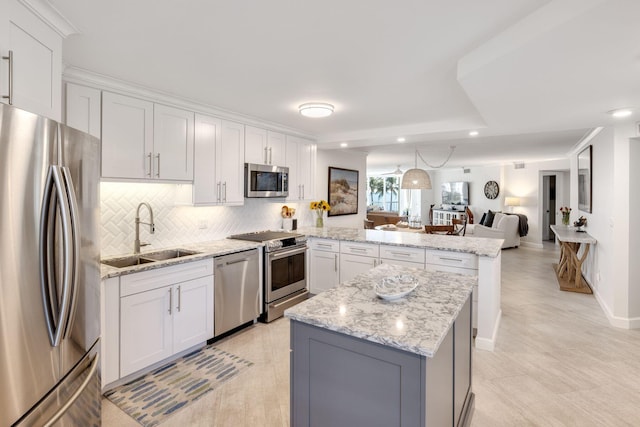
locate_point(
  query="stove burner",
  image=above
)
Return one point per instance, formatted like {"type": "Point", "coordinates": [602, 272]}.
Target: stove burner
{"type": "Point", "coordinates": [273, 240]}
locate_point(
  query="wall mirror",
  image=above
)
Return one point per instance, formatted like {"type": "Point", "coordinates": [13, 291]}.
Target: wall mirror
{"type": "Point", "coordinates": [584, 179]}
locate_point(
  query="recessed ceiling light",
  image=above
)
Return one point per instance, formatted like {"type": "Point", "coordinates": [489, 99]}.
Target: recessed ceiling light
{"type": "Point", "coordinates": [620, 113]}
{"type": "Point", "coordinates": [473, 133]}
{"type": "Point", "coordinates": [316, 109]}
{"type": "Point", "coordinates": [401, 139]}
{"type": "Point", "coordinates": [344, 144]}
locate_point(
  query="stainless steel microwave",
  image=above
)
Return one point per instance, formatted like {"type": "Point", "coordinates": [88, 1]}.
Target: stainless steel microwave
{"type": "Point", "coordinates": [265, 180]}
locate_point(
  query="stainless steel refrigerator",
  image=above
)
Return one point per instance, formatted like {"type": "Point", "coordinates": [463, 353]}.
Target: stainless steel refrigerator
{"type": "Point", "coordinates": [49, 272]}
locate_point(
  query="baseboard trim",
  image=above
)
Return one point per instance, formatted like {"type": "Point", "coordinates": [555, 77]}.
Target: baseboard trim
{"type": "Point", "coordinates": [617, 321]}
{"type": "Point", "coordinates": [531, 245]}
{"type": "Point", "coordinates": [489, 344]}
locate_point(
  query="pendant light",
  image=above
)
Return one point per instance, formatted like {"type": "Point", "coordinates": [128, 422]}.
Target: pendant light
{"type": "Point", "coordinates": [416, 179]}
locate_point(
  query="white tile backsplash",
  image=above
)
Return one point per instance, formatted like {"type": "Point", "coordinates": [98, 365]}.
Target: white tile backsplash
{"type": "Point", "coordinates": [175, 224]}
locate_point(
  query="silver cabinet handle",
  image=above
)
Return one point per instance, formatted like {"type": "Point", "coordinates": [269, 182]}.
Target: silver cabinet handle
{"type": "Point", "coordinates": [150, 165]}
{"type": "Point", "coordinates": [266, 156]}
{"type": "Point", "coordinates": [324, 245]}
{"type": "Point", "coordinates": [357, 249]}
{"type": "Point", "coordinates": [270, 157]}
{"type": "Point", "coordinates": [224, 192]}
{"type": "Point", "coordinates": [400, 253]}
{"type": "Point", "coordinates": [218, 196]}
{"type": "Point", "coordinates": [451, 259]}
{"type": "Point", "coordinates": [179, 297]}
{"type": "Point", "coordinates": [375, 262]}
{"type": "Point", "coordinates": [158, 170]}
{"type": "Point", "coordinates": [170, 300]}
{"type": "Point", "coordinates": [9, 58]}
{"type": "Point", "coordinates": [335, 262]}
{"type": "Point", "coordinates": [302, 191]}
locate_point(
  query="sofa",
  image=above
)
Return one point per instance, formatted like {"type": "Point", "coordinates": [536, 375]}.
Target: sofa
{"type": "Point", "coordinates": [385, 217]}
{"type": "Point", "coordinates": [503, 227]}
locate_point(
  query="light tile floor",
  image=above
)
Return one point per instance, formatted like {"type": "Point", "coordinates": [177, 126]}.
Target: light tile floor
{"type": "Point", "coordinates": [557, 362]}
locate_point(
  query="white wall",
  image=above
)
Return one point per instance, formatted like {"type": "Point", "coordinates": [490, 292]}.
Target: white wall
{"type": "Point", "coordinates": [348, 160]}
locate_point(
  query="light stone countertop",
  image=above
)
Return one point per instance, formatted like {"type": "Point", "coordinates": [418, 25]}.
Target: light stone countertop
{"type": "Point", "coordinates": [205, 250]}
{"type": "Point", "coordinates": [571, 235]}
{"type": "Point", "coordinates": [475, 245]}
{"type": "Point", "coordinates": [416, 323]}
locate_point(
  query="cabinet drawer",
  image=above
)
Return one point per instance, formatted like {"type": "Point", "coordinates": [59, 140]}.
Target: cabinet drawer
{"type": "Point", "coordinates": [402, 253]}
{"type": "Point", "coordinates": [164, 276]}
{"type": "Point", "coordinates": [452, 259]}
{"type": "Point", "coordinates": [362, 249]}
{"type": "Point", "coordinates": [329, 245]}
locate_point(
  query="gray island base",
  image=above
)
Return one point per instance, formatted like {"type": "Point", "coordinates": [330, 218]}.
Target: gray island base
{"type": "Point", "coordinates": [358, 360]}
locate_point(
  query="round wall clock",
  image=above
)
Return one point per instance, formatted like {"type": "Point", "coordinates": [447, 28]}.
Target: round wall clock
{"type": "Point", "coordinates": [491, 190]}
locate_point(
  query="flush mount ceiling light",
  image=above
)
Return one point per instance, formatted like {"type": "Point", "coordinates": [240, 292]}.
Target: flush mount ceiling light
{"type": "Point", "coordinates": [473, 133]}
{"type": "Point", "coordinates": [401, 139]}
{"type": "Point", "coordinates": [316, 109]}
{"type": "Point", "coordinates": [620, 113]}
{"type": "Point", "coordinates": [344, 144]}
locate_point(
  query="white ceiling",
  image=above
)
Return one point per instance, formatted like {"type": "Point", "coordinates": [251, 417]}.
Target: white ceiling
{"type": "Point", "coordinates": [531, 75]}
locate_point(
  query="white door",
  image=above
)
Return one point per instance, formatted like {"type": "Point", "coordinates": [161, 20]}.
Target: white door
{"type": "Point", "coordinates": [192, 313]}
{"type": "Point", "coordinates": [37, 62]}
{"type": "Point", "coordinates": [145, 329]}
{"type": "Point", "coordinates": [127, 137]}
{"type": "Point", "coordinates": [325, 271]}
{"type": "Point", "coordinates": [352, 265]}
{"type": "Point", "coordinates": [206, 189]}
{"type": "Point", "coordinates": [230, 163]}
{"type": "Point", "coordinates": [173, 143]}
{"type": "Point", "coordinates": [83, 109]}
{"type": "Point", "coordinates": [255, 145]}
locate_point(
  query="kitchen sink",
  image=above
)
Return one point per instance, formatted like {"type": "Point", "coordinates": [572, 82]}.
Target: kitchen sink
{"type": "Point", "coordinates": [129, 261]}
{"type": "Point", "coordinates": [169, 254]}
{"type": "Point", "coordinates": [147, 258]}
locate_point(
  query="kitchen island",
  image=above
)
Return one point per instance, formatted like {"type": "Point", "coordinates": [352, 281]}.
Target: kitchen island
{"type": "Point", "coordinates": [359, 360]}
{"type": "Point", "coordinates": [338, 253]}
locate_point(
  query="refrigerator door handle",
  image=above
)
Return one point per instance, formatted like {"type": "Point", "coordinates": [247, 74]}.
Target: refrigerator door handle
{"type": "Point", "coordinates": [56, 316]}
{"type": "Point", "coordinates": [92, 370]}
{"type": "Point", "coordinates": [75, 246]}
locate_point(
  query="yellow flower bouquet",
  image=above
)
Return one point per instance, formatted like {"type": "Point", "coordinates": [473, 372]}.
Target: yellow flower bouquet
{"type": "Point", "coordinates": [320, 207]}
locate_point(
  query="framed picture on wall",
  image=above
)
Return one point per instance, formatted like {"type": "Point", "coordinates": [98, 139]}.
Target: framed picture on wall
{"type": "Point", "coordinates": [584, 179]}
{"type": "Point", "coordinates": [343, 191]}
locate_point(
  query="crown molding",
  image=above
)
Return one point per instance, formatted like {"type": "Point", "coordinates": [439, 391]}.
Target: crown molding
{"type": "Point", "coordinates": [100, 81]}
{"type": "Point", "coordinates": [50, 16]}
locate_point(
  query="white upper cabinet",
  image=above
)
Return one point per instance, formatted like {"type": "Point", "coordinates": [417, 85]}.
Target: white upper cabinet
{"type": "Point", "coordinates": [141, 140]}
{"type": "Point", "coordinates": [31, 61]}
{"type": "Point", "coordinates": [264, 147]}
{"type": "Point", "coordinates": [127, 137]}
{"type": "Point", "coordinates": [172, 143]}
{"type": "Point", "coordinates": [83, 109]}
{"type": "Point", "coordinates": [300, 159]}
{"type": "Point", "coordinates": [219, 156]}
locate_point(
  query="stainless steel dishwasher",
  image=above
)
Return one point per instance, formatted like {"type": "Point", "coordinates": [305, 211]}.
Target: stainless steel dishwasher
{"type": "Point", "coordinates": [237, 290]}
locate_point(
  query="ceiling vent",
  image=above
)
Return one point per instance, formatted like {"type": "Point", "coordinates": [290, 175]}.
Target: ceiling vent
{"type": "Point", "coordinates": [466, 170]}
{"type": "Point", "coordinates": [518, 165]}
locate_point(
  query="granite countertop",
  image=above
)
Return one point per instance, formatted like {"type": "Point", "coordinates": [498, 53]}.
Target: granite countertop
{"type": "Point", "coordinates": [416, 323]}
{"type": "Point", "coordinates": [571, 235]}
{"type": "Point", "coordinates": [205, 250]}
{"type": "Point", "coordinates": [475, 245]}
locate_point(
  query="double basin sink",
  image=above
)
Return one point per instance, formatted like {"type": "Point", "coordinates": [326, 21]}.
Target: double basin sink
{"type": "Point", "coordinates": [139, 259]}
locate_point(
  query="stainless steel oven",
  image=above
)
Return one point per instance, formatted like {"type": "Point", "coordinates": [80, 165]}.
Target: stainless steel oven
{"type": "Point", "coordinates": [285, 270]}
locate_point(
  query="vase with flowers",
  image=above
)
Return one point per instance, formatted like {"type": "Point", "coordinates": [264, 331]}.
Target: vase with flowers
{"type": "Point", "coordinates": [320, 207]}
{"type": "Point", "coordinates": [566, 212]}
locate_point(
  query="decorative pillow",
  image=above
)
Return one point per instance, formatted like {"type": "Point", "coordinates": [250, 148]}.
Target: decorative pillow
{"type": "Point", "coordinates": [488, 221]}
{"type": "Point", "coordinates": [484, 215]}
{"type": "Point", "coordinates": [496, 219]}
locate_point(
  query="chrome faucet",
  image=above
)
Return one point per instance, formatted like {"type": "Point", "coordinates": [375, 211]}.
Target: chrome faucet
{"type": "Point", "coordinates": [152, 227]}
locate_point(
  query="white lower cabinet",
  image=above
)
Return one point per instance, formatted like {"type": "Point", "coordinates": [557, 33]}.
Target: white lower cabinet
{"type": "Point", "coordinates": [325, 265]}
{"type": "Point", "coordinates": [161, 313]}
{"type": "Point", "coordinates": [357, 258]}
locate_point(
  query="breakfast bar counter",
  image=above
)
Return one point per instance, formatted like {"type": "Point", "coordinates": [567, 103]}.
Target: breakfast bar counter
{"type": "Point", "coordinates": [360, 360]}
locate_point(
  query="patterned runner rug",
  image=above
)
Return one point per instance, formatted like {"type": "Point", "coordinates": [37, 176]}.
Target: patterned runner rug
{"type": "Point", "coordinates": [154, 397]}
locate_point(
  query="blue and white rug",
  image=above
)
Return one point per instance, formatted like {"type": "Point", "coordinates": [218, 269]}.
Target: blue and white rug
{"type": "Point", "coordinates": [152, 398]}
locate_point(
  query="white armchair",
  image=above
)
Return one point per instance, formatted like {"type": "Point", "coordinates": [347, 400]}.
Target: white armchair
{"type": "Point", "coordinates": [503, 227]}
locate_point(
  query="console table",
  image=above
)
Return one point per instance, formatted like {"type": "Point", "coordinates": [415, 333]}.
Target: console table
{"type": "Point", "coordinates": [569, 268]}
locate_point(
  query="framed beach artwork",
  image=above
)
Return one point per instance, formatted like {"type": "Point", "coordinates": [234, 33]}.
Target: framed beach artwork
{"type": "Point", "coordinates": [343, 191]}
{"type": "Point", "coordinates": [584, 179]}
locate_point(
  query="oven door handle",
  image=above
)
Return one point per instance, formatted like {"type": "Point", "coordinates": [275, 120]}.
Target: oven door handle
{"type": "Point", "coordinates": [286, 253]}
